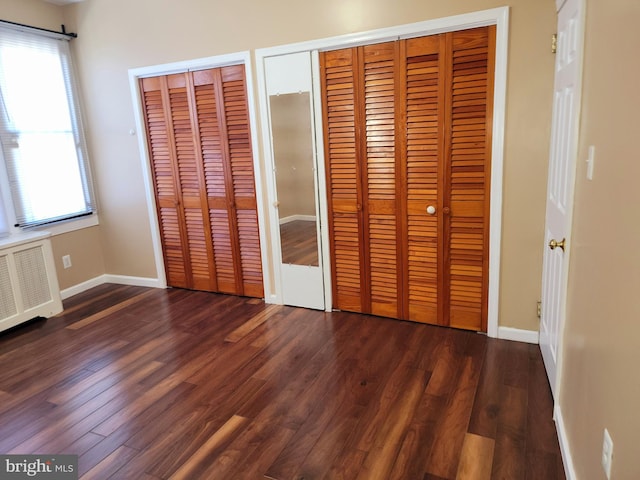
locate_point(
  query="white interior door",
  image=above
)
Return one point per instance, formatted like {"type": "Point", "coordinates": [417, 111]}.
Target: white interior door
{"type": "Point", "coordinates": [562, 166]}
{"type": "Point", "coordinates": [293, 192]}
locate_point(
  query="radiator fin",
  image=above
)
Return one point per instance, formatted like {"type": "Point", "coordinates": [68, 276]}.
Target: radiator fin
{"type": "Point", "coordinates": [8, 306]}
{"type": "Point", "coordinates": [32, 277]}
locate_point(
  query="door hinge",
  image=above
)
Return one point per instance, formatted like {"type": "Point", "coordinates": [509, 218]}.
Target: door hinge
{"type": "Point", "coordinates": [539, 309]}
{"type": "Point", "coordinates": [554, 43]}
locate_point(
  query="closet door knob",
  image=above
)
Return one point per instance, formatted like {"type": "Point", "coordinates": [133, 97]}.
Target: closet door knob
{"type": "Point", "coordinates": [431, 210]}
{"type": "Point", "coordinates": [553, 244]}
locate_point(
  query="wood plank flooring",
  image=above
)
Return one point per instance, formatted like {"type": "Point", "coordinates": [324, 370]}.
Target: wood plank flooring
{"type": "Point", "coordinates": [155, 384]}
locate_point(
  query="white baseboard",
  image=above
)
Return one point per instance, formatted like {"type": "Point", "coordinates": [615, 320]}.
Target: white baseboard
{"type": "Point", "coordinates": [82, 287]}
{"type": "Point", "coordinates": [273, 299]}
{"type": "Point", "coordinates": [567, 460]}
{"type": "Point", "coordinates": [118, 279]}
{"type": "Point", "coordinates": [519, 335]}
{"type": "Point", "coordinates": [135, 281]}
{"type": "Point", "coordinates": [293, 218]}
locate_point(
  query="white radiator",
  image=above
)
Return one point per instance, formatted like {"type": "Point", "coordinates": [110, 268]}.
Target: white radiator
{"type": "Point", "coordinates": [28, 282]}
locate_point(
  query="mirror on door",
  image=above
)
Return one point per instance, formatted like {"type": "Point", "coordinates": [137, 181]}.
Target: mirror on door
{"type": "Point", "coordinates": [292, 137]}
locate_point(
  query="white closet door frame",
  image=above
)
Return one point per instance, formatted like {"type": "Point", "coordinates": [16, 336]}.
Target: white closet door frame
{"type": "Point", "coordinates": [135, 74]}
{"type": "Point", "coordinates": [496, 16]}
{"type": "Point", "coordinates": [297, 285]}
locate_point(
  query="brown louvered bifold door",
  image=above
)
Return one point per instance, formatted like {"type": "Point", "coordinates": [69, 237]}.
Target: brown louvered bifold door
{"type": "Point", "coordinates": [343, 173]}
{"type": "Point", "coordinates": [468, 174]}
{"type": "Point", "coordinates": [422, 152]}
{"type": "Point", "coordinates": [199, 143]}
{"type": "Point", "coordinates": [380, 185]}
{"type": "Point", "coordinates": [408, 126]}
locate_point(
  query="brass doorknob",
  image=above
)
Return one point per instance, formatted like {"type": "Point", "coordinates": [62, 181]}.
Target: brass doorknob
{"type": "Point", "coordinates": [553, 244]}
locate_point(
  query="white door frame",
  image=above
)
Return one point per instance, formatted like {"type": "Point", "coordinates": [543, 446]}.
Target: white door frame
{"type": "Point", "coordinates": [135, 74]}
{"type": "Point", "coordinates": [496, 16]}
{"type": "Point", "coordinates": [297, 285]}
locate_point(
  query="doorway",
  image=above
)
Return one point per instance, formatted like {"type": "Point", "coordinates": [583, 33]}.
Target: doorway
{"type": "Point", "coordinates": [200, 173]}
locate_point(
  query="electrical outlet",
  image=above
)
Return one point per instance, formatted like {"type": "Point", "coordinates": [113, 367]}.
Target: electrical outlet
{"type": "Point", "coordinates": [66, 261]}
{"type": "Point", "coordinates": [607, 453]}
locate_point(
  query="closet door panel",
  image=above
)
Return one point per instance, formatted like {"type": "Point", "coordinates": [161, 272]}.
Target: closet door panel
{"type": "Point", "coordinates": [189, 164]}
{"type": "Point", "coordinates": [343, 173]}
{"type": "Point", "coordinates": [162, 151]}
{"type": "Point", "coordinates": [469, 175]}
{"type": "Point", "coordinates": [214, 161]}
{"type": "Point", "coordinates": [244, 207]}
{"type": "Point", "coordinates": [423, 153]}
{"type": "Point", "coordinates": [380, 185]}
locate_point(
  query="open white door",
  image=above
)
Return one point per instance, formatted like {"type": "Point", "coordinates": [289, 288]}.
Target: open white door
{"type": "Point", "coordinates": [293, 191]}
{"type": "Point", "coordinates": [562, 167]}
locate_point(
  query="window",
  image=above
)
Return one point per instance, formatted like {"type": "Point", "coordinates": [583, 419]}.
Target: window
{"type": "Point", "coordinates": [40, 130]}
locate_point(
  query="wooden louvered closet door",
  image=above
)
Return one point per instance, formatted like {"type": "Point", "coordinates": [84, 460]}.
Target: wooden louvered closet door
{"type": "Point", "coordinates": [200, 147]}
{"type": "Point", "coordinates": [468, 175]}
{"type": "Point", "coordinates": [407, 126]}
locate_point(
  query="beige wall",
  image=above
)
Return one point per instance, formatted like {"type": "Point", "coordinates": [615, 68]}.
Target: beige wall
{"type": "Point", "coordinates": [32, 12]}
{"type": "Point", "coordinates": [600, 380]}
{"type": "Point", "coordinates": [85, 249]}
{"type": "Point", "coordinates": [116, 35]}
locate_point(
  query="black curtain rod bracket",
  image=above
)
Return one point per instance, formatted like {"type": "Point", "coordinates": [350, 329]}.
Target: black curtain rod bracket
{"type": "Point", "coordinates": [63, 31]}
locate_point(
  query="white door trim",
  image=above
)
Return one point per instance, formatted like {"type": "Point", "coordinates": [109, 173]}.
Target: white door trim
{"type": "Point", "coordinates": [297, 285]}
{"type": "Point", "coordinates": [239, 58]}
{"type": "Point", "coordinates": [496, 16]}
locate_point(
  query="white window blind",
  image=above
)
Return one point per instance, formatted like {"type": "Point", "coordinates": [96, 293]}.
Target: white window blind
{"type": "Point", "coordinates": [40, 130]}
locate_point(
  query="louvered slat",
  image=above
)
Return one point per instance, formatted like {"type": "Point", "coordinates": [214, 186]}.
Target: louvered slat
{"type": "Point", "coordinates": [181, 119]}
{"type": "Point", "coordinates": [423, 157]}
{"type": "Point", "coordinates": [469, 176]}
{"type": "Point", "coordinates": [210, 136]}
{"type": "Point", "coordinates": [225, 265]}
{"type": "Point", "coordinates": [250, 252]}
{"type": "Point", "coordinates": [213, 159]}
{"type": "Point", "coordinates": [241, 161]}
{"type": "Point", "coordinates": [189, 180]}
{"type": "Point", "coordinates": [342, 177]}
{"type": "Point", "coordinates": [161, 150]}
{"type": "Point", "coordinates": [380, 205]}
{"type": "Point", "coordinates": [158, 142]}
{"type": "Point", "coordinates": [198, 254]}
{"type": "Point", "coordinates": [172, 247]}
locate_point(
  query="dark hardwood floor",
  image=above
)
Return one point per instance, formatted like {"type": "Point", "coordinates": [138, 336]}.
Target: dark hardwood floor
{"type": "Point", "coordinates": [152, 384]}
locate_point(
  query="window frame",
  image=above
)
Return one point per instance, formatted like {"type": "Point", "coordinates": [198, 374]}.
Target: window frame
{"type": "Point", "coordinates": [7, 206]}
